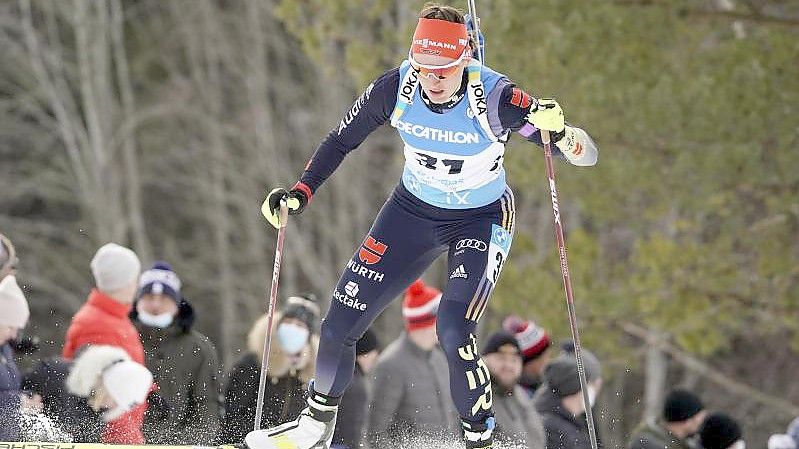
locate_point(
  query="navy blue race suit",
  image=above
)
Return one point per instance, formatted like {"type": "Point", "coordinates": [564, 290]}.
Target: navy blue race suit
{"type": "Point", "coordinates": [472, 222]}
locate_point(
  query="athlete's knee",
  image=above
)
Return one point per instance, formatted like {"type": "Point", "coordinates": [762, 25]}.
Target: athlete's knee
{"type": "Point", "coordinates": [332, 331]}
{"type": "Point", "coordinates": [342, 331]}
{"type": "Point", "coordinates": [455, 332]}
{"type": "Point", "coordinates": [454, 340]}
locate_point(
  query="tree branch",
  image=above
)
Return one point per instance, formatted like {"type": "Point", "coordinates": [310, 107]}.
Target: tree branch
{"type": "Point", "coordinates": [702, 369]}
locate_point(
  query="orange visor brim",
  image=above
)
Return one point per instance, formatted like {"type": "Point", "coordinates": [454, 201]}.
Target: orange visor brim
{"type": "Point", "coordinates": [440, 38]}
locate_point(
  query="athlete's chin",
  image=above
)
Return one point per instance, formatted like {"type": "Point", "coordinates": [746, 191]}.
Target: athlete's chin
{"type": "Point", "coordinates": [438, 95]}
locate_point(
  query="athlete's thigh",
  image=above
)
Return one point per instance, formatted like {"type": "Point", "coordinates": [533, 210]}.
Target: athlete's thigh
{"type": "Point", "coordinates": [397, 249]}
{"type": "Point", "coordinates": [476, 258]}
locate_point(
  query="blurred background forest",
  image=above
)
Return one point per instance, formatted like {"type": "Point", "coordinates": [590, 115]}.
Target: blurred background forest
{"type": "Point", "coordinates": [161, 125]}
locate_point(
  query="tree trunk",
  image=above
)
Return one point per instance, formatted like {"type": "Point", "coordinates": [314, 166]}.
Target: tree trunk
{"type": "Point", "coordinates": [135, 215]}
{"type": "Point", "coordinates": [655, 382]}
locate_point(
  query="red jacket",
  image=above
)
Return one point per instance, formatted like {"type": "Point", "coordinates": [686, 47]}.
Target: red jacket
{"type": "Point", "coordinates": [103, 320]}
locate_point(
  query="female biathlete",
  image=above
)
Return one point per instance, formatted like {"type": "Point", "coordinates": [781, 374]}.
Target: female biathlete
{"type": "Point", "coordinates": [454, 116]}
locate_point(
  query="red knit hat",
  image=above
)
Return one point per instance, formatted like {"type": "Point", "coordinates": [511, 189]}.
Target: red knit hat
{"type": "Point", "coordinates": [420, 305]}
{"type": "Point", "coordinates": [533, 340]}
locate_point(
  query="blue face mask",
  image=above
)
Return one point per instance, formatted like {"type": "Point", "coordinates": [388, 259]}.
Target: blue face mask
{"type": "Point", "coordinates": [161, 321]}
{"type": "Point", "coordinates": [291, 337]}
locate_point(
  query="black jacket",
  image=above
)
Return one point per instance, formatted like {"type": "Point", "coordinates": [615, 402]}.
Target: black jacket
{"type": "Point", "coordinates": [284, 399]}
{"type": "Point", "coordinates": [185, 366]}
{"type": "Point", "coordinates": [72, 413]}
{"type": "Point", "coordinates": [656, 436]}
{"type": "Point", "coordinates": [352, 411]}
{"type": "Point", "coordinates": [562, 429]}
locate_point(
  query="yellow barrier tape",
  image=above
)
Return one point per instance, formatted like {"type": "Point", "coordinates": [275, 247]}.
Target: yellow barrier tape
{"type": "Point", "coordinates": [37, 445]}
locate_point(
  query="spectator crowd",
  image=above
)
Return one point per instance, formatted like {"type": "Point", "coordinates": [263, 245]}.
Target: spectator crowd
{"type": "Point", "coordinates": [133, 370]}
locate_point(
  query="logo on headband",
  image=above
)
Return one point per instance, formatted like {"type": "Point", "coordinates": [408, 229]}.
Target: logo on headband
{"type": "Point", "coordinates": [440, 37]}
{"type": "Point", "coordinates": [431, 43]}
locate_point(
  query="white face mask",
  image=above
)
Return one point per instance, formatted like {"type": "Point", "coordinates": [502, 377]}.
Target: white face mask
{"type": "Point", "coordinates": [161, 321]}
{"type": "Point", "coordinates": [591, 395]}
{"type": "Point", "coordinates": [291, 337]}
{"type": "Point", "coordinates": [740, 444]}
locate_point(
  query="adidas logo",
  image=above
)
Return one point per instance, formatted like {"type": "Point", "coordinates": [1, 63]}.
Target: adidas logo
{"type": "Point", "coordinates": [459, 272]}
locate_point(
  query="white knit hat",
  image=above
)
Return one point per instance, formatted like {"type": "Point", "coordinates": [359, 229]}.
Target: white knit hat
{"type": "Point", "coordinates": [115, 267]}
{"type": "Point", "coordinates": [14, 310]}
{"type": "Point", "coordinates": [127, 382]}
{"type": "Point", "coordinates": [781, 441]}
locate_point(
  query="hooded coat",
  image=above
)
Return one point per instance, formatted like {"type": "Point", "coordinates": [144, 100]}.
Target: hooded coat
{"type": "Point", "coordinates": [286, 384]}
{"type": "Point", "coordinates": [186, 369]}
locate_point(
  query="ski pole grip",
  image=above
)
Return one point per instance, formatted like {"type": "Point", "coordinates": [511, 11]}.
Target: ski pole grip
{"type": "Point", "coordinates": [544, 136]}
{"type": "Point", "coordinates": [284, 213]}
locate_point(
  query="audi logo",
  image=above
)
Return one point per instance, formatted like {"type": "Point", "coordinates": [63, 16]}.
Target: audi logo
{"type": "Point", "coordinates": [479, 245]}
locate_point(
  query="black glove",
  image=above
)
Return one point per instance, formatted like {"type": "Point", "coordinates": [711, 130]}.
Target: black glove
{"type": "Point", "coordinates": [296, 200]}
{"type": "Point", "coordinates": [25, 345]}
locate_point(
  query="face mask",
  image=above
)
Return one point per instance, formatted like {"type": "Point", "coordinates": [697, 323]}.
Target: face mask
{"type": "Point", "coordinates": [740, 444]}
{"type": "Point", "coordinates": [591, 395]}
{"type": "Point", "coordinates": [291, 337]}
{"type": "Point", "coordinates": [161, 321]}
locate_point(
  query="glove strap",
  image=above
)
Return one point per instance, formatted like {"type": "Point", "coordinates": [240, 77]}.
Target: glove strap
{"type": "Point", "coordinates": [302, 187]}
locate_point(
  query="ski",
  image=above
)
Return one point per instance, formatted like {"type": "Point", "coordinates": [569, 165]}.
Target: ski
{"type": "Point", "coordinates": [43, 445]}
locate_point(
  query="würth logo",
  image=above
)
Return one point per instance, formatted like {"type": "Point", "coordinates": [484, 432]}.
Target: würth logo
{"type": "Point", "coordinates": [372, 251]}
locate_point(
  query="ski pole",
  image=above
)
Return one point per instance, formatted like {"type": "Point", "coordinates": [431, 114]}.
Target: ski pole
{"type": "Point", "coordinates": [476, 29]}
{"type": "Point", "coordinates": [281, 235]}
{"type": "Point", "coordinates": [564, 263]}
{"type": "Point", "coordinates": [567, 285]}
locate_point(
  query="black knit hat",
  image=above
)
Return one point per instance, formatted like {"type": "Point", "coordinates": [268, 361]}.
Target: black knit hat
{"type": "Point", "coordinates": [367, 343]}
{"type": "Point", "coordinates": [719, 431]}
{"type": "Point", "coordinates": [499, 339]}
{"type": "Point", "coordinates": [681, 405]}
{"type": "Point", "coordinates": [304, 308]}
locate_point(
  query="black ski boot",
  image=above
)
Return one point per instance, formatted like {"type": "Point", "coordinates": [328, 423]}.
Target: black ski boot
{"type": "Point", "coordinates": [478, 435]}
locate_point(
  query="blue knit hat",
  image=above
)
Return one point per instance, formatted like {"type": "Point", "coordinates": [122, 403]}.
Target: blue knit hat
{"type": "Point", "coordinates": [160, 280]}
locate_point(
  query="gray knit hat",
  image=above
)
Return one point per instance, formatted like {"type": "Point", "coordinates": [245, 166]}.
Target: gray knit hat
{"type": "Point", "coordinates": [115, 267]}
{"type": "Point", "coordinates": [561, 373]}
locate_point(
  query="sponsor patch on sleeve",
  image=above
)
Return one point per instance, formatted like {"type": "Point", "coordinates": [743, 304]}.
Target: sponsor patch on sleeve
{"type": "Point", "coordinates": [520, 98]}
